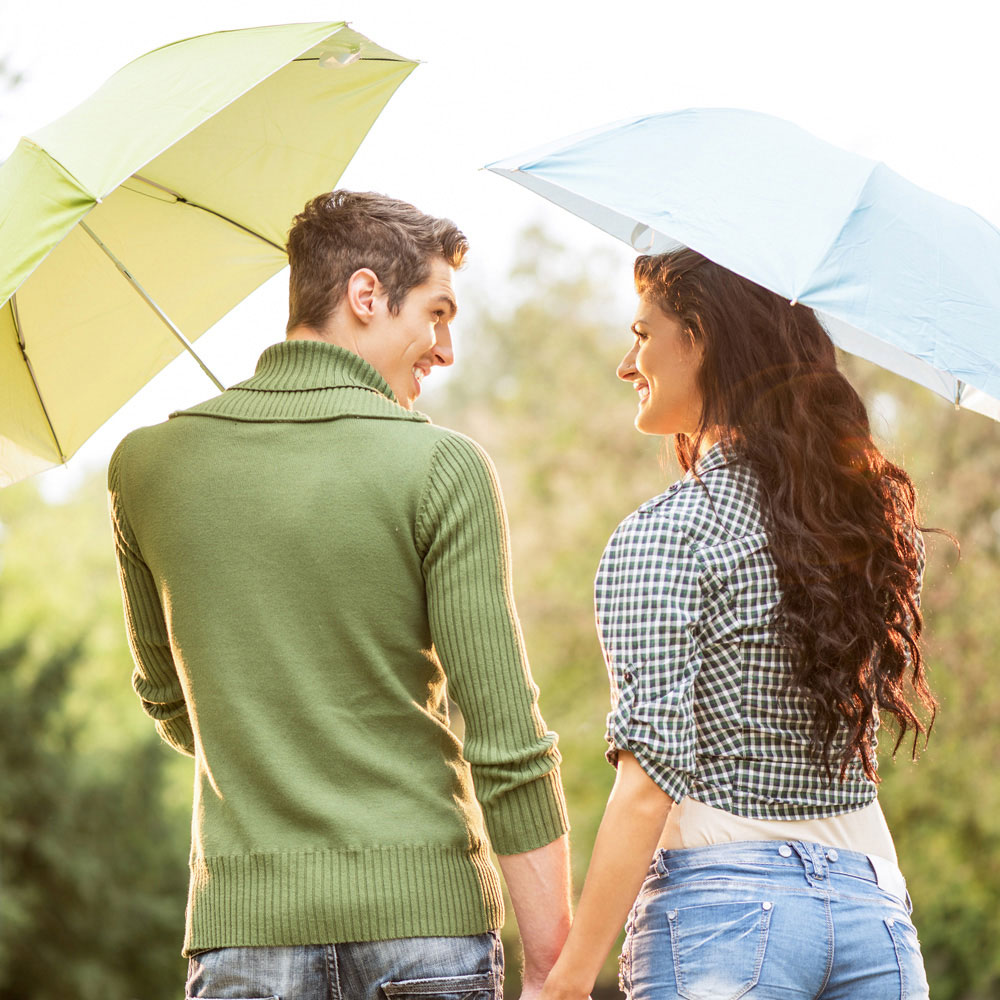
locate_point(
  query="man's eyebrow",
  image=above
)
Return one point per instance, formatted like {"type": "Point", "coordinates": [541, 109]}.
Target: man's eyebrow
{"type": "Point", "coordinates": [450, 302]}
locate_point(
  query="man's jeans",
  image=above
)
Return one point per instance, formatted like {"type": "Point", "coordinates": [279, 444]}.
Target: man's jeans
{"type": "Point", "coordinates": [435, 968]}
{"type": "Point", "coordinates": [766, 920]}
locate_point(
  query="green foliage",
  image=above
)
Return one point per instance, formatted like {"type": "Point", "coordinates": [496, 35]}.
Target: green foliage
{"type": "Point", "coordinates": [537, 387]}
{"type": "Point", "coordinates": [95, 815]}
{"type": "Point", "coordinates": [94, 872]}
{"type": "Point", "coordinates": [944, 811]}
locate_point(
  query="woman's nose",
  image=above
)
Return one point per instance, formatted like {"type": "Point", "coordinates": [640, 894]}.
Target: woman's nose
{"type": "Point", "coordinates": [626, 367]}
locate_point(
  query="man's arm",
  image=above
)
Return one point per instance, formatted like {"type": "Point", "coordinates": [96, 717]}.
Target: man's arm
{"type": "Point", "coordinates": [539, 885]}
{"type": "Point", "coordinates": [155, 676]}
{"type": "Point", "coordinates": [462, 535]}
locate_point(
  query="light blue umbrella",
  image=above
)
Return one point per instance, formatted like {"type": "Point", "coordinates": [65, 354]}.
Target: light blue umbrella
{"type": "Point", "coordinates": [898, 275]}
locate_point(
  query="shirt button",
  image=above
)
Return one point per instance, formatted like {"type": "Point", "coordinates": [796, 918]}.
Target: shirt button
{"type": "Point", "coordinates": [628, 676]}
{"type": "Point", "coordinates": [785, 851]}
{"type": "Point", "coordinates": [832, 855]}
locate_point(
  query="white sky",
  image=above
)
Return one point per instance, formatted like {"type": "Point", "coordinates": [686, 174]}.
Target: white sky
{"type": "Point", "coordinates": [915, 84]}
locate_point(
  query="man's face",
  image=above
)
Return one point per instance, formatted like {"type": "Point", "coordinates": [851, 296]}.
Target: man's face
{"type": "Point", "coordinates": [404, 347]}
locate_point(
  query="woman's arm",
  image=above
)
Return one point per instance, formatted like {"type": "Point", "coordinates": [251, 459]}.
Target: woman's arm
{"type": "Point", "coordinates": [630, 830]}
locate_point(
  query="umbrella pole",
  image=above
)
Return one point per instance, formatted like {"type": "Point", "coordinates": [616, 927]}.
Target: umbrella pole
{"type": "Point", "coordinates": [31, 371]}
{"type": "Point", "coordinates": [152, 305]}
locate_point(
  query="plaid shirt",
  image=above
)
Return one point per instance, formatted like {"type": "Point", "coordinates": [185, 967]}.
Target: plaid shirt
{"type": "Point", "coordinates": [685, 596]}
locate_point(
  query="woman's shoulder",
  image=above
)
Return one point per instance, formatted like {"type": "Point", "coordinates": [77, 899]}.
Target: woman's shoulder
{"type": "Point", "coordinates": [720, 503]}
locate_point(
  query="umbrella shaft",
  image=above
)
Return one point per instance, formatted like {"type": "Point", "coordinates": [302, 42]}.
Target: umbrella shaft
{"type": "Point", "coordinates": [152, 305]}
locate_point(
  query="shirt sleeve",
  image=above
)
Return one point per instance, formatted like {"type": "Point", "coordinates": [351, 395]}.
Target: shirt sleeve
{"type": "Point", "coordinates": [461, 533]}
{"type": "Point", "coordinates": [650, 592]}
{"type": "Point", "coordinates": [155, 677]}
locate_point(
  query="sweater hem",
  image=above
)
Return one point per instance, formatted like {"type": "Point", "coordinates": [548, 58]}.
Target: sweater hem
{"type": "Point", "coordinates": [332, 897]}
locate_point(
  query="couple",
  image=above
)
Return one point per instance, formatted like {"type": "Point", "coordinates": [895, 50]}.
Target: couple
{"type": "Point", "coordinates": [310, 567]}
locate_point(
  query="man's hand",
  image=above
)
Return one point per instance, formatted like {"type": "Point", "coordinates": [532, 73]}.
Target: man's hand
{"type": "Point", "coordinates": [539, 885]}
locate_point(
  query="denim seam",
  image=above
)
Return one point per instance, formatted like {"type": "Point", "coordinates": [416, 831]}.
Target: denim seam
{"type": "Point", "coordinates": [831, 945]}
{"type": "Point", "coordinates": [333, 973]}
{"type": "Point", "coordinates": [903, 991]}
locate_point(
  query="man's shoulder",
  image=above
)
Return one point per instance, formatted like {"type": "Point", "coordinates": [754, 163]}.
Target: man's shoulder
{"type": "Point", "coordinates": [136, 443]}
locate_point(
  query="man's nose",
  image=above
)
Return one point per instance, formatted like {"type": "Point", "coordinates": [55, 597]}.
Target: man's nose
{"type": "Point", "coordinates": [443, 352]}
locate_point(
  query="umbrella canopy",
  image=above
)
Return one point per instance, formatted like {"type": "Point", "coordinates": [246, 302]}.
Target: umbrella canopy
{"type": "Point", "coordinates": [898, 275]}
{"type": "Point", "coordinates": [129, 226]}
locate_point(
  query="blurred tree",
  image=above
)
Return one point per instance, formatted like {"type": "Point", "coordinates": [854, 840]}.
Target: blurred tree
{"type": "Point", "coordinates": [537, 388]}
{"type": "Point", "coordinates": [945, 811]}
{"type": "Point", "coordinates": [93, 868]}
{"type": "Point", "coordinates": [95, 819]}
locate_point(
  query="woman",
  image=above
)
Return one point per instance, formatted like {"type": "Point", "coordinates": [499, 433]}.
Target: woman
{"type": "Point", "coordinates": [756, 618]}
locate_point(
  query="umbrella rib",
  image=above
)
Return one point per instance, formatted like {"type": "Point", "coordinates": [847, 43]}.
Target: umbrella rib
{"type": "Point", "coordinates": [211, 211]}
{"type": "Point", "coordinates": [152, 305]}
{"type": "Point", "coordinates": [34, 381]}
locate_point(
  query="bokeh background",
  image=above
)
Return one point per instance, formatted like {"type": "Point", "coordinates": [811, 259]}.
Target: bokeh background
{"type": "Point", "coordinates": [94, 812]}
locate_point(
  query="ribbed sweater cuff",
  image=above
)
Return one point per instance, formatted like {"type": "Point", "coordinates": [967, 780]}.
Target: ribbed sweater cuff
{"type": "Point", "coordinates": [529, 816]}
{"type": "Point", "coordinates": [178, 733]}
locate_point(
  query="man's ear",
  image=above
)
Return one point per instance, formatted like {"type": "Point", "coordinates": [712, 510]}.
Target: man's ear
{"type": "Point", "coordinates": [363, 288]}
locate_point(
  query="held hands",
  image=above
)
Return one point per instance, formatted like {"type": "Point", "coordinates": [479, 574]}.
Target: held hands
{"type": "Point", "coordinates": [560, 985]}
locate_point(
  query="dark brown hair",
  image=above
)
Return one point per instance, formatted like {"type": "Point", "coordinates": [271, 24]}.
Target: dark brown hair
{"type": "Point", "coordinates": [336, 234]}
{"type": "Point", "coordinates": [840, 517]}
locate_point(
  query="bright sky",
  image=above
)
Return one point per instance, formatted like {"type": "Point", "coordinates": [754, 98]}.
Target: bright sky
{"type": "Point", "coordinates": [911, 83]}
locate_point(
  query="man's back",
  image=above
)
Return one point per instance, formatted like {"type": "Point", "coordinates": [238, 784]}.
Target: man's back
{"type": "Point", "coordinates": [303, 562]}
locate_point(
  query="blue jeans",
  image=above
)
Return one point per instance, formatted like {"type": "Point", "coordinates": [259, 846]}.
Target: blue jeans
{"type": "Point", "coordinates": [434, 968]}
{"type": "Point", "coordinates": [766, 920]}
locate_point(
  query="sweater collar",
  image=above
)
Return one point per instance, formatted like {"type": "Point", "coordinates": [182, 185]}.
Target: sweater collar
{"type": "Point", "coordinates": [301, 365]}
{"type": "Point", "coordinates": [307, 380]}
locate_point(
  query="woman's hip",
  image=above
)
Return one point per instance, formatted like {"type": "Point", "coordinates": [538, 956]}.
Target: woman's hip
{"type": "Point", "coordinates": [763, 919]}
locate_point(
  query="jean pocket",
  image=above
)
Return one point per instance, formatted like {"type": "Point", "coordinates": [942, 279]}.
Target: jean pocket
{"type": "Point", "coordinates": [189, 997]}
{"type": "Point", "coordinates": [718, 948]}
{"type": "Point", "coordinates": [912, 977]}
{"type": "Point", "coordinates": [482, 986]}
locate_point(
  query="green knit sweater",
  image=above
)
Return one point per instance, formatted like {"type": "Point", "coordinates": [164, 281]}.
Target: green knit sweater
{"type": "Point", "coordinates": [307, 568]}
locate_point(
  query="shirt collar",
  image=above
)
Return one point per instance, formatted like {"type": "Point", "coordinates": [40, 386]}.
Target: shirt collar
{"type": "Point", "coordinates": [714, 458]}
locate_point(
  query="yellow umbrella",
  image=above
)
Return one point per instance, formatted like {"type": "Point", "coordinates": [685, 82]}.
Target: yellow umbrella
{"type": "Point", "coordinates": [131, 225]}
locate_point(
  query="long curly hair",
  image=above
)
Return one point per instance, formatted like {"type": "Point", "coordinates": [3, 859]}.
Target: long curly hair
{"type": "Point", "coordinates": [840, 517]}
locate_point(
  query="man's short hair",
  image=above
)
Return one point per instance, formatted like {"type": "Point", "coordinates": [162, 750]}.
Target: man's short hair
{"type": "Point", "coordinates": [336, 234]}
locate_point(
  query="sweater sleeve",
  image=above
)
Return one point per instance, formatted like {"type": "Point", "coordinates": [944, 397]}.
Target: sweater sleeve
{"type": "Point", "coordinates": [462, 536]}
{"type": "Point", "coordinates": [155, 677]}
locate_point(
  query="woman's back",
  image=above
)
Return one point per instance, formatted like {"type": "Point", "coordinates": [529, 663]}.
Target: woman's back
{"type": "Point", "coordinates": [686, 597]}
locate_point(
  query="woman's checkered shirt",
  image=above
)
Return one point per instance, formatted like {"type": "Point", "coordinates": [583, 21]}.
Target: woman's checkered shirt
{"type": "Point", "coordinates": [685, 596]}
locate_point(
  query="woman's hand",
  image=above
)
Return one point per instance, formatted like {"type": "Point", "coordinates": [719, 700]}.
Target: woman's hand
{"type": "Point", "coordinates": [561, 987]}
{"type": "Point", "coordinates": [626, 841]}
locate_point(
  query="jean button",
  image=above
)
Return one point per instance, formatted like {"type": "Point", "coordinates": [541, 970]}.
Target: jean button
{"type": "Point", "coordinates": [785, 851]}
{"type": "Point", "coordinates": [832, 855]}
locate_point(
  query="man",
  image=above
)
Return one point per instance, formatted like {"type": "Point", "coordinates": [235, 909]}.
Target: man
{"type": "Point", "coordinates": [307, 565]}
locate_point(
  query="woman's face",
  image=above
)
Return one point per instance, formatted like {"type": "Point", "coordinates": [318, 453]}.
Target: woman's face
{"type": "Point", "coordinates": [663, 368]}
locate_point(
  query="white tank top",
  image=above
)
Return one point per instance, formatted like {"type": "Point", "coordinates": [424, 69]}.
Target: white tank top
{"type": "Point", "coordinates": [694, 824]}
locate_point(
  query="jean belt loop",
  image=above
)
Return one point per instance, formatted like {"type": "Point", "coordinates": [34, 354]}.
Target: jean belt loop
{"type": "Point", "coordinates": [660, 864]}
{"type": "Point", "coordinates": [805, 855]}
